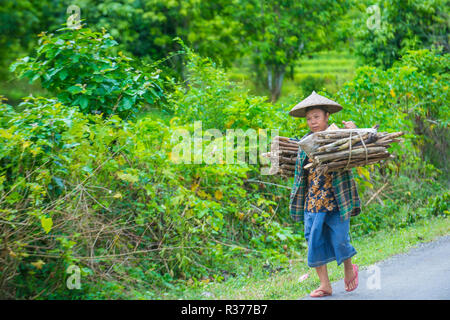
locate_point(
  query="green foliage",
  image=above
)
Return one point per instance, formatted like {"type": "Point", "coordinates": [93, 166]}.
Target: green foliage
{"type": "Point", "coordinates": [311, 83]}
{"type": "Point", "coordinates": [77, 66]}
{"type": "Point", "coordinates": [107, 195]}
{"type": "Point", "coordinates": [35, 137]}
{"type": "Point", "coordinates": [325, 69]}
{"type": "Point", "coordinates": [282, 31]}
{"type": "Point", "coordinates": [146, 28]}
{"type": "Point", "coordinates": [408, 202]}
{"type": "Point", "coordinates": [398, 30]}
{"type": "Point", "coordinates": [19, 23]}
{"type": "Point", "coordinates": [215, 100]}
{"type": "Point", "coordinates": [73, 181]}
{"type": "Point", "coordinates": [413, 97]}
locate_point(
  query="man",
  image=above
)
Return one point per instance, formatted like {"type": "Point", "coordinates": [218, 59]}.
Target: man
{"type": "Point", "coordinates": [325, 202]}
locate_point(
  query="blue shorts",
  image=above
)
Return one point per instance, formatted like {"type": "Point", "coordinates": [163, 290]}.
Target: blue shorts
{"type": "Point", "coordinates": [328, 238]}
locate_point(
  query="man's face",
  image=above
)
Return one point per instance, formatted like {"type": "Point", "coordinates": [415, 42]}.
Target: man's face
{"type": "Point", "coordinates": [317, 120]}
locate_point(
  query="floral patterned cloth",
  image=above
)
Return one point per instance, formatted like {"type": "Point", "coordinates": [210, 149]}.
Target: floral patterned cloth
{"type": "Point", "coordinates": [320, 196]}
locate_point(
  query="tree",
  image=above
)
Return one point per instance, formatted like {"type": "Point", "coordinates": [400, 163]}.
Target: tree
{"type": "Point", "coordinates": [279, 32]}
{"type": "Point", "coordinates": [392, 27]}
{"type": "Point", "coordinates": [144, 28]}
{"type": "Point", "coordinates": [20, 24]}
{"type": "Point", "coordinates": [79, 67]}
{"type": "Point", "coordinates": [147, 28]}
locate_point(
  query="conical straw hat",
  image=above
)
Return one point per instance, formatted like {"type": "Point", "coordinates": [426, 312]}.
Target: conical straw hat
{"type": "Point", "coordinates": [314, 100]}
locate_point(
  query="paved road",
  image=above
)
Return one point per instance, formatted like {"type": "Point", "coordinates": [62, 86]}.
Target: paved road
{"type": "Point", "coordinates": [422, 273]}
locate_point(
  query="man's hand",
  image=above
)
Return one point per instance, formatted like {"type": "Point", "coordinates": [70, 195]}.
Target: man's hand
{"type": "Point", "coordinates": [349, 125]}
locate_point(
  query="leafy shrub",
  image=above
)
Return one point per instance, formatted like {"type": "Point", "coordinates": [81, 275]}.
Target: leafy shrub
{"type": "Point", "coordinates": [218, 102]}
{"type": "Point", "coordinates": [34, 138]}
{"type": "Point", "coordinates": [398, 31]}
{"type": "Point", "coordinates": [413, 97]}
{"type": "Point", "coordinates": [408, 202]}
{"type": "Point", "coordinates": [105, 195]}
{"type": "Point", "coordinates": [79, 67]}
{"type": "Point", "coordinates": [35, 161]}
{"type": "Point", "coordinates": [311, 83]}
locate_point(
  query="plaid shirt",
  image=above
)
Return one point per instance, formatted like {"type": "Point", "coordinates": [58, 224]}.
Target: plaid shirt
{"type": "Point", "coordinates": [344, 188]}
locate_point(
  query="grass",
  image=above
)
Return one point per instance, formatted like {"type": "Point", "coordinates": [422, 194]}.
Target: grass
{"type": "Point", "coordinates": [285, 284]}
{"type": "Point", "coordinates": [333, 66]}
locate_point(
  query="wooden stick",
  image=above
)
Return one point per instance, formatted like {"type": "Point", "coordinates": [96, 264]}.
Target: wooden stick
{"type": "Point", "coordinates": [357, 164]}
{"type": "Point", "coordinates": [288, 173]}
{"type": "Point", "coordinates": [358, 160]}
{"type": "Point", "coordinates": [358, 139]}
{"type": "Point", "coordinates": [281, 138]}
{"type": "Point", "coordinates": [268, 183]}
{"type": "Point", "coordinates": [334, 134]}
{"type": "Point", "coordinates": [358, 157]}
{"type": "Point", "coordinates": [325, 141]}
{"type": "Point", "coordinates": [353, 148]}
{"type": "Point", "coordinates": [273, 147]}
{"type": "Point", "coordinates": [341, 143]}
{"type": "Point", "coordinates": [309, 165]}
{"type": "Point", "coordinates": [288, 160]}
{"type": "Point", "coordinates": [376, 193]}
{"type": "Point", "coordinates": [346, 153]}
{"type": "Point", "coordinates": [288, 167]}
{"type": "Point", "coordinates": [391, 135]}
{"type": "Point", "coordinates": [289, 143]}
{"type": "Point", "coordinates": [354, 160]}
{"type": "Point", "coordinates": [287, 151]}
{"type": "Point", "coordinates": [344, 141]}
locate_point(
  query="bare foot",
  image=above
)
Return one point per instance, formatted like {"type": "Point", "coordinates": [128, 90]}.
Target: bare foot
{"type": "Point", "coordinates": [324, 289]}
{"type": "Point", "coordinates": [349, 274]}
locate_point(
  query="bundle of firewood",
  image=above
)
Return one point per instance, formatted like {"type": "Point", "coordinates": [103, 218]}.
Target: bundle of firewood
{"type": "Point", "coordinates": [333, 150]}
{"type": "Point", "coordinates": [283, 151]}
{"type": "Point", "coordinates": [348, 148]}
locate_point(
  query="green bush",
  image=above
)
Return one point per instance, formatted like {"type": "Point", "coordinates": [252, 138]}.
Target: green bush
{"type": "Point", "coordinates": [80, 68]}
{"type": "Point", "coordinates": [105, 195]}
{"type": "Point", "coordinates": [311, 83]}
{"type": "Point", "coordinates": [408, 201]}
{"type": "Point", "coordinates": [210, 96]}
{"type": "Point", "coordinates": [412, 97]}
{"type": "Point", "coordinates": [397, 30]}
